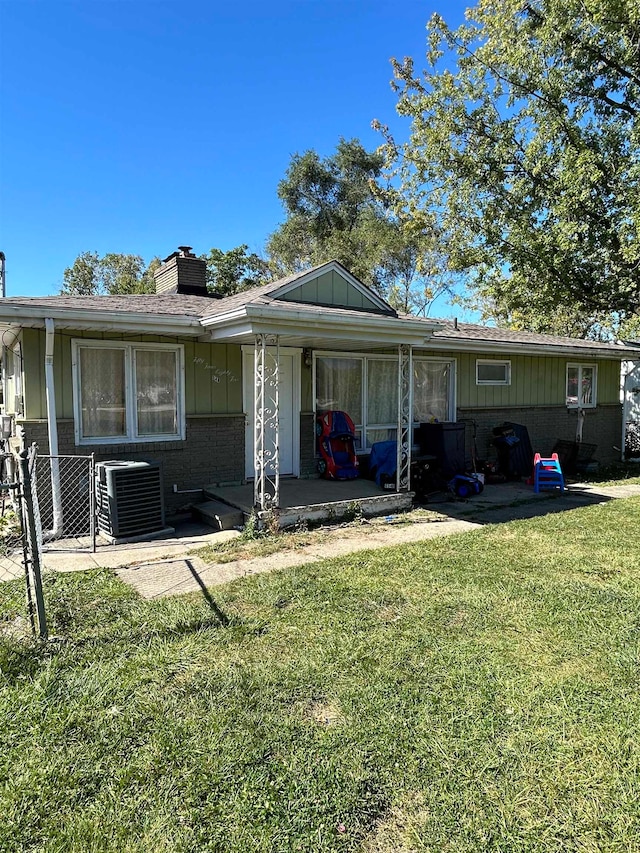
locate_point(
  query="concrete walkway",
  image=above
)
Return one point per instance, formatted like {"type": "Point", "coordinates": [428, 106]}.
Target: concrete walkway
{"type": "Point", "coordinates": [165, 567]}
{"type": "Point", "coordinates": [190, 573]}
{"type": "Point", "coordinates": [496, 505]}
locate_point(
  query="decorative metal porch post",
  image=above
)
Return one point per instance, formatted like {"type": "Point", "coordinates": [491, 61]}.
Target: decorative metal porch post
{"type": "Point", "coordinates": [266, 423]}
{"type": "Point", "coordinates": [405, 417]}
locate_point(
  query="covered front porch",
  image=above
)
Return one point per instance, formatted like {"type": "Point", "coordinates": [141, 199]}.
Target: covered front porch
{"type": "Point", "coordinates": [317, 500]}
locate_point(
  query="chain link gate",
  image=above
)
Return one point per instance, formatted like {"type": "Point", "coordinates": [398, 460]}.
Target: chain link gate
{"type": "Point", "coordinates": [48, 504]}
{"type": "Point", "coordinates": [11, 532]}
{"type": "Point", "coordinates": [21, 545]}
{"type": "Point", "coordinates": [66, 500]}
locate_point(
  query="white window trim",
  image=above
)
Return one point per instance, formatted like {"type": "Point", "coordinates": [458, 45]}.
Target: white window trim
{"type": "Point", "coordinates": [130, 398]}
{"type": "Point", "coordinates": [580, 367]}
{"type": "Point", "coordinates": [364, 358]}
{"type": "Point", "coordinates": [505, 362]}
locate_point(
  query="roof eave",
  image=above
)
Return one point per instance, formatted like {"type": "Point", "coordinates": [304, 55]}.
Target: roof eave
{"type": "Point", "coordinates": [506, 347]}
{"type": "Point", "coordinates": [88, 318]}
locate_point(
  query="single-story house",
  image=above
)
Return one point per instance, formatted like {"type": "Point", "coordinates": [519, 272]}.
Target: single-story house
{"type": "Point", "coordinates": [226, 390]}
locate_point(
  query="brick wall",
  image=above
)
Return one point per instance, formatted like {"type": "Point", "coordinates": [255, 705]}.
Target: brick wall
{"type": "Point", "coordinates": [547, 424]}
{"type": "Point", "coordinates": [213, 452]}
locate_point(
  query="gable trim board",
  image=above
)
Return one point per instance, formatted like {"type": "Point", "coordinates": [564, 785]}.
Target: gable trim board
{"type": "Point", "coordinates": [287, 291]}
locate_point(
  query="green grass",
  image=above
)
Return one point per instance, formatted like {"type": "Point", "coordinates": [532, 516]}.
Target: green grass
{"type": "Point", "coordinates": [472, 693]}
{"type": "Point", "coordinates": [618, 474]}
{"type": "Point", "coordinates": [251, 543]}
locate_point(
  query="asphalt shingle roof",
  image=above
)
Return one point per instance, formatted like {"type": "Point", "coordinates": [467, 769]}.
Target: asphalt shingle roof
{"type": "Point", "coordinates": [493, 334]}
{"type": "Point", "coordinates": [201, 308]}
{"type": "Point", "coordinates": [148, 303]}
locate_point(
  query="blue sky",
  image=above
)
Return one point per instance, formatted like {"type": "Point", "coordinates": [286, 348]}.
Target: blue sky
{"type": "Point", "coordinates": [130, 126]}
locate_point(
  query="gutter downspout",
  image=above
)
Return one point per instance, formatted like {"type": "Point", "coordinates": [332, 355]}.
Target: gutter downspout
{"type": "Point", "coordinates": [52, 428]}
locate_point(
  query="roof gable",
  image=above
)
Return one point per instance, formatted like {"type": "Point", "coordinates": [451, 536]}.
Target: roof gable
{"type": "Point", "coordinates": [332, 286]}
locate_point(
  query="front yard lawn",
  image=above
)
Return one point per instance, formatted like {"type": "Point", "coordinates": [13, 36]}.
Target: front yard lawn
{"type": "Point", "coordinates": [471, 693]}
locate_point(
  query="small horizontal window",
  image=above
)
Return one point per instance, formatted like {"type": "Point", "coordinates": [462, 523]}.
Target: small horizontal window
{"type": "Point", "coordinates": [493, 372]}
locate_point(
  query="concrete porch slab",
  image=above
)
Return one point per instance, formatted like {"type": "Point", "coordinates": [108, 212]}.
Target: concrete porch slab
{"type": "Point", "coordinates": [318, 500]}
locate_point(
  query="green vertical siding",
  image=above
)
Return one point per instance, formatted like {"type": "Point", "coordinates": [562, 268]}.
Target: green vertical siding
{"type": "Point", "coordinates": [535, 380]}
{"type": "Point", "coordinates": [33, 376]}
{"type": "Point", "coordinates": [331, 288]}
{"type": "Point", "coordinates": [213, 373]}
{"type": "Point", "coordinates": [213, 376]}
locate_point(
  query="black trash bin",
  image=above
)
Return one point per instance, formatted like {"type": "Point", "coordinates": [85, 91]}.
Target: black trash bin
{"type": "Point", "coordinates": [445, 441]}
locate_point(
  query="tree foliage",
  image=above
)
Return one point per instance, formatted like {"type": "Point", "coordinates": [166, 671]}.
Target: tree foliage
{"type": "Point", "coordinates": [118, 274]}
{"type": "Point", "coordinates": [527, 153]}
{"type": "Point", "coordinates": [339, 208]}
{"type": "Point", "coordinates": [111, 274]}
{"type": "Point", "coordinates": [235, 270]}
{"type": "Point", "coordinates": [332, 212]}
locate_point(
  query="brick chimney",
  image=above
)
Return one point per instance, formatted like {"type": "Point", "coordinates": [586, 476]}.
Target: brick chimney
{"type": "Point", "coordinates": [182, 272]}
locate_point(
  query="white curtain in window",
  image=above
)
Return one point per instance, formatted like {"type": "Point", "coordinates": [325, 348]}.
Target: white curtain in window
{"type": "Point", "coordinates": [587, 386]}
{"type": "Point", "coordinates": [156, 392]}
{"type": "Point", "coordinates": [102, 381]}
{"type": "Point", "coordinates": [339, 386]}
{"type": "Point", "coordinates": [572, 385]}
{"type": "Point", "coordinates": [431, 391]}
{"type": "Point", "coordinates": [382, 391]}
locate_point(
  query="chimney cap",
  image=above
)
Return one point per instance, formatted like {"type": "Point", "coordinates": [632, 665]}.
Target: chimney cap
{"type": "Point", "coordinates": [182, 252]}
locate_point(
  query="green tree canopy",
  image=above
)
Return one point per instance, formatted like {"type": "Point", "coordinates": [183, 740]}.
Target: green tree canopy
{"type": "Point", "coordinates": [339, 207]}
{"type": "Point", "coordinates": [112, 274]}
{"type": "Point", "coordinates": [235, 270]}
{"type": "Point", "coordinates": [527, 153]}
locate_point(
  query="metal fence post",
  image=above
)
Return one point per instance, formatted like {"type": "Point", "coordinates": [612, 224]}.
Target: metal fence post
{"type": "Point", "coordinates": [31, 533]}
{"type": "Point", "coordinates": [92, 500]}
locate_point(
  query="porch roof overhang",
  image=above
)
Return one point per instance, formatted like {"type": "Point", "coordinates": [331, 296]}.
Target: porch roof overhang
{"type": "Point", "coordinates": [297, 326]}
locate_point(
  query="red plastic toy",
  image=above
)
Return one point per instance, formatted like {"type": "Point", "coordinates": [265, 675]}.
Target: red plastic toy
{"type": "Point", "coordinates": [336, 445]}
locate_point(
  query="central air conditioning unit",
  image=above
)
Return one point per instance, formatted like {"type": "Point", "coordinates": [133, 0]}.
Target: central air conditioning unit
{"type": "Point", "coordinates": [129, 499]}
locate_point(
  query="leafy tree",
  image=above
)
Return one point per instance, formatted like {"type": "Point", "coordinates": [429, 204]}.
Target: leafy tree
{"type": "Point", "coordinates": [527, 152]}
{"type": "Point", "coordinates": [81, 279]}
{"type": "Point", "coordinates": [235, 270]}
{"type": "Point", "coordinates": [339, 207]}
{"type": "Point", "coordinates": [332, 212]}
{"type": "Point", "coordinates": [113, 274]}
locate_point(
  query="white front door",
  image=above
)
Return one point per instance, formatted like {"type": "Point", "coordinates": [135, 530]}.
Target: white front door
{"type": "Point", "coordinates": [289, 415]}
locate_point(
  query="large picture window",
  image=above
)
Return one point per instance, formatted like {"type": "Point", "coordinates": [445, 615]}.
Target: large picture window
{"type": "Point", "coordinates": [127, 392]}
{"type": "Point", "coordinates": [366, 387]}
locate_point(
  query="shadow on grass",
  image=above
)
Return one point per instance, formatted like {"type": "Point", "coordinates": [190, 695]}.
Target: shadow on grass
{"type": "Point", "coordinates": [519, 508]}
{"type": "Point", "coordinates": [220, 614]}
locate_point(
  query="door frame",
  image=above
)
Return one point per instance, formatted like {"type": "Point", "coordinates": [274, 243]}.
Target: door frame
{"type": "Point", "coordinates": [248, 402]}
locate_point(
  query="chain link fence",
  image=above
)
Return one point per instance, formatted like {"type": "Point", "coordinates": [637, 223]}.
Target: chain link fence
{"type": "Point", "coordinates": [66, 500]}
{"type": "Point", "coordinates": [632, 440]}
{"type": "Point", "coordinates": [20, 534]}
{"type": "Point", "coordinates": [46, 503]}
{"type": "Point", "coordinates": [11, 542]}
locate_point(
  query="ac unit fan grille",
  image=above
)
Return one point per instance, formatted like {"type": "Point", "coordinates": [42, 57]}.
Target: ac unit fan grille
{"type": "Point", "coordinates": [130, 500]}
